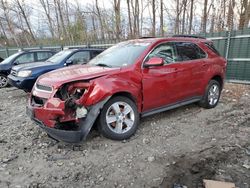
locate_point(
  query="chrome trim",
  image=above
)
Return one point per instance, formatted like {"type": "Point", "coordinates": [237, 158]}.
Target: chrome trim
{"type": "Point", "coordinates": [45, 91]}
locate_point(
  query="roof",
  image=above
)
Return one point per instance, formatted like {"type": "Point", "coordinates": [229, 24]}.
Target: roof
{"type": "Point", "coordinates": [191, 38]}
{"type": "Point", "coordinates": [37, 50]}
{"type": "Point", "coordinates": [87, 49]}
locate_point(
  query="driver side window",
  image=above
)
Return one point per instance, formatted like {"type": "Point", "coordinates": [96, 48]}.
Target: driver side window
{"type": "Point", "coordinates": [165, 51]}
{"type": "Point", "coordinates": [80, 57]}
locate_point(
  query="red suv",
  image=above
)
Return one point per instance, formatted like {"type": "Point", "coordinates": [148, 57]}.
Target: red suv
{"type": "Point", "coordinates": [130, 80]}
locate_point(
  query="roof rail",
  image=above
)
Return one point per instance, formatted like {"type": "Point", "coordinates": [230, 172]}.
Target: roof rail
{"type": "Point", "coordinates": [149, 37]}
{"type": "Point", "coordinates": [190, 36]}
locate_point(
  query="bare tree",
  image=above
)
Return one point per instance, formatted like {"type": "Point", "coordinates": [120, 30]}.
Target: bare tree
{"type": "Point", "coordinates": [204, 19]}
{"type": "Point", "coordinates": [25, 17]}
{"type": "Point", "coordinates": [6, 15]}
{"type": "Point", "coordinates": [46, 8]}
{"type": "Point", "coordinates": [99, 18]}
{"type": "Point", "coordinates": [177, 19]}
{"type": "Point", "coordinates": [161, 18]}
{"type": "Point", "coordinates": [129, 19]}
{"type": "Point", "coordinates": [153, 13]}
{"type": "Point", "coordinates": [184, 5]}
{"type": "Point", "coordinates": [117, 9]}
{"type": "Point", "coordinates": [191, 16]}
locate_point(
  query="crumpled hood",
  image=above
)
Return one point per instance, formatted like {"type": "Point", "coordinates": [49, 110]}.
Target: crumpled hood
{"type": "Point", "coordinates": [73, 73]}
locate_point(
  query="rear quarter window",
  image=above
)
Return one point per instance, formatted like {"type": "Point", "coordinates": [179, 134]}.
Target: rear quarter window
{"type": "Point", "coordinates": [189, 51]}
{"type": "Point", "coordinates": [211, 47]}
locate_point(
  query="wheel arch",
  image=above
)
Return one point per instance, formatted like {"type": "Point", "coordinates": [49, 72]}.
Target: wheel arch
{"type": "Point", "coordinates": [219, 79]}
{"type": "Point", "coordinates": [125, 94]}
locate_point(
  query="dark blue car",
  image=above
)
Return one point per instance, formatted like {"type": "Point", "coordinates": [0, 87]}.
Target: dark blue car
{"type": "Point", "coordinates": [22, 57]}
{"type": "Point", "coordinates": [24, 76]}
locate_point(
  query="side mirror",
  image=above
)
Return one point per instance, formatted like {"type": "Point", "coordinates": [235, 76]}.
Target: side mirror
{"type": "Point", "coordinates": [68, 62]}
{"type": "Point", "coordinates": [153, 62]}
{"type": "Point", "coordinates": [16, 63]}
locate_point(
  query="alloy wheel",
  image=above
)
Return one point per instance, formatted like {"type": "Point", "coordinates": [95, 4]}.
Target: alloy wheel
{"type": "Point", "coordinates": [3, 81]}
{"type": "Point", "coordinates": [120, 117]}
{"type": "Point", "coordinates": [213, 94]}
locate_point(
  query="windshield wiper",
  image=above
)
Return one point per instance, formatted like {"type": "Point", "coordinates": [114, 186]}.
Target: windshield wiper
{"type": "Point", "coordinates": [103, 65]}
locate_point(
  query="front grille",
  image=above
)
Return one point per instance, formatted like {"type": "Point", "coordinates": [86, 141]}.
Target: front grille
{"type": "Point", "coordinates": [13, 72]}
{"type": "Point", "coordinates": [43, 87]}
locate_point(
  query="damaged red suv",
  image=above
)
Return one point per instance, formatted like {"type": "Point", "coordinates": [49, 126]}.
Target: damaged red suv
{"type": "Point", "coordinates": [128, 81]}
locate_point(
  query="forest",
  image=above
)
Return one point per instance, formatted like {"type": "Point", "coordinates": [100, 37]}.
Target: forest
{"type": "Point", "coordinates": [40, 22]}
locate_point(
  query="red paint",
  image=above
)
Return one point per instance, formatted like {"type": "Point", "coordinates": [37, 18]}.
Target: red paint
{"type": "Point", "coordinates": [154, 61]}
{"type": "Point", "coordinates": [150, 87]}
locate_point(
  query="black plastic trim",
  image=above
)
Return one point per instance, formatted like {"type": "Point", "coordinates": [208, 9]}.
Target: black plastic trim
{"type": "Point", "coordinates": [68, 135]}
{"type": "Point", "coordinates": [171, 106]}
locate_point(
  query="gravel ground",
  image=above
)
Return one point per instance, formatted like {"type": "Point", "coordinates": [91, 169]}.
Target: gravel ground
{"type": "Point", "coordinates": [180, 146]}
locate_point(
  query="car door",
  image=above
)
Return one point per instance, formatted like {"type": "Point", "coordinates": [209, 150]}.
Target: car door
{"type": "Point", "coordinates": [192, 67]}
{"type": "Point", "coordinates": [80, 57]}
{"type": "Point", "coordinates": [162, 84]}
{"type": "Point", "coordinates": [25, 58]}
{"type": "Point", "coordinates": [43, 56]}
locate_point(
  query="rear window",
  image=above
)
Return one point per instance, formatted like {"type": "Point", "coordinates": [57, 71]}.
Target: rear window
{"type": "Point", "coordinates": [188, 51]}
{"type": "Point", "coordinates": [211, 47]}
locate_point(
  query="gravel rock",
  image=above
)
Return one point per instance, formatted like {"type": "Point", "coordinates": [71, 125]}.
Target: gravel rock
{"type": "Point", "coordinates": [151, 158]}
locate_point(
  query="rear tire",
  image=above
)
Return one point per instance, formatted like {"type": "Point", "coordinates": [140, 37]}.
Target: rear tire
{"type": "Point", "coordinates": [212, 95]}
{"type": "Point", "coordinates": [3, 81]}
{"type": "Point", "coordinates": [118, 119]}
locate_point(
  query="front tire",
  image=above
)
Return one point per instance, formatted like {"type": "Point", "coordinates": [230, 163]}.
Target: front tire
{"type": "Point", "coordinates": [118, 119]}
{"type": "Point", "coordinates": [212, 95]}
{"type": "Point", "coordinates": [3, 81]}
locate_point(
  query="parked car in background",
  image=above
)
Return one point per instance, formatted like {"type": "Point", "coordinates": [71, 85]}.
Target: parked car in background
{"type": "Point", "coordinates": [24, 76]}
{"type": "Point", "coordinates": [22, 57]}
{"type": "Point", "coordinates": [130, 80]}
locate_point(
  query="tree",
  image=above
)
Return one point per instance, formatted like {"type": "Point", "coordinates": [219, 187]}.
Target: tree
{"type": "Point", "coordinates": [153, 13]}
{"type": "Point", "coordinates": [204, 19]}
{"type": "Point", "coordinates": [117, 9]}
{"type": "Point", "coordinates": [191, 16]}
{"type": "Point", "coordinates": [161, 18]}
{"type": "Point", "coordinates": [46, 8]}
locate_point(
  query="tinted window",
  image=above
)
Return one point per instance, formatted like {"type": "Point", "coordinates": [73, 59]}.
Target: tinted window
{"type": "Point", "coordinates": [188, 51]}
{"type": "Point", "coordinates": [80, 57]}
{"type": "Point", "coordinates": [25, 58]}
{"type": "Point", "coordinates": [211, 47]}
{"type": "Point", "coordinates": [164, 51]}
{"type": "Point", "coordinates": [41, 56]}
{"type": "Point", "coordinates": [95, 53]}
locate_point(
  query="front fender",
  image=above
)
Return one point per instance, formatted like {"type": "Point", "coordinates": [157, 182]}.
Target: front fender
{"type": "Point", "coordinates": [104, 87]}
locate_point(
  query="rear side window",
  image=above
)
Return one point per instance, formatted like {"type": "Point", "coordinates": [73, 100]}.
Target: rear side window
{"type": "Point", "coordinates": [42, 56]}
{"type": "Point", "coordinates": [25, 58]}
{"type": "Point", "coordinates": [95, 53]}
{"type": "Point", "coordinates": [188, 51]}
{"type": "Point", "coordinates": [211, 47]}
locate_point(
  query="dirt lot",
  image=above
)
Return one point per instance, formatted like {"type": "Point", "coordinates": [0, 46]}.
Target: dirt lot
{"type": "Point", "coordinates": [180, 146]}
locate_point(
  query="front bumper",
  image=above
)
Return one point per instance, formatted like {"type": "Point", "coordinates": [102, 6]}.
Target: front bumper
{"type": "Point", "coordinates": [21, 83]}
{"type": "Point", "coordinates": [45, 121]}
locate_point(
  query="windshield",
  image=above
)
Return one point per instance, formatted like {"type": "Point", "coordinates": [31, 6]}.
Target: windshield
{"type": "Point", "coordinates": [10, 58]}
{"type": "Point", "coordinates": [60, 56]}
{"type": "Point", "coordinates": [122, 54]}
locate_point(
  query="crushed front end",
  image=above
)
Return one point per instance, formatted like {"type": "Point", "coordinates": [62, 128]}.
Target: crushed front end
{"type": "Point", "coordinates": [61, 111]}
